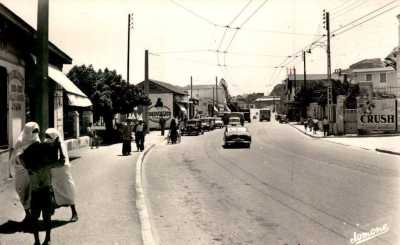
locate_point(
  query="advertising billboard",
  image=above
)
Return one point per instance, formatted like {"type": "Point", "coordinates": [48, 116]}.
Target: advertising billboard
{"type": "Point", "coordinates": [376, 114]}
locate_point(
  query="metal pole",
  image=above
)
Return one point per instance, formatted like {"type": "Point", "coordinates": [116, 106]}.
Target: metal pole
{"type": "Point", "coordinates": [129, 44]}
{"type": "Point", "coordinates": [216, 92]}
{"type": "Point", "coordinates": [329, 74]}
{"type": "Point", "coordinates": [191, 96]}
{"type": "Point", "coordinates": [42, 103]}
{"type": "Point", "coordinates": [213, 102]}
{"type": "Point", "coordinates": [146, 85]}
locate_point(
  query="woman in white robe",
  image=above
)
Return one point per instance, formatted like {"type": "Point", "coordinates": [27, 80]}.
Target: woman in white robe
{"type": "Point", "coordinates": [28, 136]}
{"type": "Point", "coordinates": [61, 178]}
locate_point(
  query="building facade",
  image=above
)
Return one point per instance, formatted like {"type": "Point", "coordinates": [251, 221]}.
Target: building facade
{"type": "Point", "coordinates": [211, 99]}
{"type": "Point", "coordinates": [18, 89]}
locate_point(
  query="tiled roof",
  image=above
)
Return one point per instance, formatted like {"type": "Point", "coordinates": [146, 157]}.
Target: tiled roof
{"type": "Point", "coordinates": [168, 86]}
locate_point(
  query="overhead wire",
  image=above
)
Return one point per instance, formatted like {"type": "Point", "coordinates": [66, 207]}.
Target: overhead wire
{"type": "Point", "coordinates": [362, 17]}
{"type": "Point", "coordinates": [194, 13]}
{"type": "Point", "coordinates": [335, 34]}
{"type": "Point", "coordinates": [359, 4]}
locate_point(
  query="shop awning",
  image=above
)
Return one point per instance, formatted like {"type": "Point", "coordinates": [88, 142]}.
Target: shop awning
{"type": "Point", "coordinates": [75, 96]}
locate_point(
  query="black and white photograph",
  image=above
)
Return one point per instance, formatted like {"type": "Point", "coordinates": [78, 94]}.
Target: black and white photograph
{"type": "Point", "coordinates": [199, 122]}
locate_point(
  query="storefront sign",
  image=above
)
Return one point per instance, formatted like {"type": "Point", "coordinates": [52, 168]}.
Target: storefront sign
{"type": "Point", "coordinates": [155, 113]}
{"type": "Point", "coordinates": [379, 115]}
{"type": "Point", "coordinates": [16, 92]}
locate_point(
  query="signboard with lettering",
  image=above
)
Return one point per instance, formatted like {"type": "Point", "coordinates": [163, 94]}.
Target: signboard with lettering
{"type": "Point", "coordinates": [16, 91]}
{"type": "Point", "coordinates": [376, 114]}
{"type": "Point", "coordinates": [155, 113]}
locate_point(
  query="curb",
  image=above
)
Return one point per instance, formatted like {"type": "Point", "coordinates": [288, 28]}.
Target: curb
{"type": "Point", "coordinates": [376, 149]}
{"type": "Point", "coordinates": [147, 234]}
{"type": "Point", "coordinates": [387, 151]}
{"type": "Point", "coordinates": [301, 131]}
{"type": "Point", "coordinates": [141, 206]}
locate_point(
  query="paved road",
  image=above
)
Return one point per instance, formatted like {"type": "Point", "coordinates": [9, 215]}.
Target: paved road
{"type": "Point", "coordinates": [286, 189]}
{"type": "Point", "coordinates": [105, 183]}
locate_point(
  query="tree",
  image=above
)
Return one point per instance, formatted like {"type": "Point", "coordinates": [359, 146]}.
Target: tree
{"type": "Point", "coordinates": [109, 93]}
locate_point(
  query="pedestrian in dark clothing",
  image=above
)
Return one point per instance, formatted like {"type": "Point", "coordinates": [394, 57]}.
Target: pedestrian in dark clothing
{"type": "Point", "coordinates": [38, 159]}
{"type": "Point", "coordinates": [310, 124]}
{"type": "Point", "coordinates": [305, 122]}
{"type": "Point", "coordinates": [325, 125]}
{"type": "Point", "coordinates": [162, 125]}
{"type": "Point", "coordinates": [173, 131]}
{"type": "Point", "coordinates": [126, 138]}
{"type": "Point", "coordinates": [315, 126]}
{"type": "Point", "coordinates": [93, 139]}
{"type": "Point", "coordinates": [140, 131]}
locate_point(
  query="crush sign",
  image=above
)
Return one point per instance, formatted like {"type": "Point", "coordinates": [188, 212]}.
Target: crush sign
{"type": "Point", "coordinates": [376, 114]}
{"type": "Point", "coordinates": [155, 113]}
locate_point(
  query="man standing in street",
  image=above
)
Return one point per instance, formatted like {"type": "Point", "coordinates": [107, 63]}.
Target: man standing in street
{"type": "Point", "coordinates": [325, 125]}
{"type": "Point", "coordinates": [140, 131]}
{"type": "Point", "coordinates": [162, 125]}
{"type": "Point", "coordinates": [126, 138]}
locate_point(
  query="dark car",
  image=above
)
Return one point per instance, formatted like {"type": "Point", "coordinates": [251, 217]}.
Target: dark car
{"type": "Point", "coordinates": [193, 127]}
{"type": "Point", "coordinates": [237, 135]}
{"type": "Point", "coordinates": [205, 124]}
{"type": "Point", "coordinates": [283, 119]}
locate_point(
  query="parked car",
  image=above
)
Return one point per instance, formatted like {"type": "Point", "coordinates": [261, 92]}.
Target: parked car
{"type": "Point", "coordinates": [205, 124]}
{"type": "Point", "coordinates": [193, 127]}
{"type": "Point", "coordinates": [237, 135]}
{"type": "Point", "coordinates": [283, 119]}
{"type": "Point", "coordinates": [218, 122]}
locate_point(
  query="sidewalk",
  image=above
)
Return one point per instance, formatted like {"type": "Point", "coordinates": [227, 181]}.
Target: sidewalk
{"type": "Point", "coordinates": [102, 176]}
{"type": "Point", "coordinates": [386, 144]}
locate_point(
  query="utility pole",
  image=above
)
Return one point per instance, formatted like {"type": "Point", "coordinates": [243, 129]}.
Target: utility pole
{"type": "Point", "coordinates": [216, 92]}
{"type": "Point", "coordinates": [305, 73]}
{"type": "Point", "coordinates": [329, 74]}
{"type": "Point", "coordinates": [213, 103]}
{"type": "Point", "coordinates": [191, 108]}
{"type": "Point", "coordinates": [41, 114]}
{"type": "Point", "coordinates": [130, 25]}
{"type": "Point", "coordinates": [146, 85]}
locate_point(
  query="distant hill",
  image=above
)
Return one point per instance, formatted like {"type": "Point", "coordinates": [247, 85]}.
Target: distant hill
{"type": "Point", "coordinates": [278, 90]}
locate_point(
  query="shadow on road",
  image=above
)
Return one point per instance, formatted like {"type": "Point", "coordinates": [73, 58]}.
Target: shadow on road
{"type": "Point", "coordinates": [12, 226]}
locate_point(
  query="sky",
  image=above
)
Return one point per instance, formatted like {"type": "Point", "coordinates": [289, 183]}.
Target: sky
{"type": "Point", "coordinates": [182, 37]}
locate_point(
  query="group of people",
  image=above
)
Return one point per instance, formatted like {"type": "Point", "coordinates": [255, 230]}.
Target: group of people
{"type": "Point", "coordinates": [139, 129]}
{"type": "Point", "coordinates": [43, 179]}
{"type": "Point", "coordinates": [313, 125]}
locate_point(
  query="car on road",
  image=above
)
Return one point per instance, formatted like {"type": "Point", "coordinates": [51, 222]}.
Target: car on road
{"type": "Point", "coordinates": [205, 124]}
{"type": "Point", "coordinates": [218, 122]}
{"type": "Point", "coordinates": [283, 119]}
{"type": "Point", "coordinates": [234, 121]}
{"type": "Point", "coordinates": [193, 127]}
{"type": "Point", "coordinates": [237, 135]}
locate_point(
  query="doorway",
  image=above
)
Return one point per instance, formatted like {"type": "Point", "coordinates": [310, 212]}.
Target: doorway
{"type": "Point", "coordinates": [3, 109]}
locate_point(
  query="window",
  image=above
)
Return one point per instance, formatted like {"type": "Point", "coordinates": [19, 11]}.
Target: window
{"type": "Point", "coordinates": [383, 77]}
{"type": "Point", "coordinates": [368, 77]}
{"type": "Point", "coordinates": [3, 108]}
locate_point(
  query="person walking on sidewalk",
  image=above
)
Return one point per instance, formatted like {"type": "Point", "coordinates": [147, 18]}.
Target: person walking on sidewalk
{"type": "Point", "coordinates": [173, 131]}
{"type": "Point", "coordinates": [315, 125]}
{"type": "Point", "coordinates": [61, 178]}
{"type": "Point", "coordinates": [28, 136]}
{"type": "Point", "coordinates": [325, 125]}
{"type": "Point", "coordinates": [126, 138]}
{"type": "Point", "coordinates": [93, 139]}
{"type": "Point", "coordinates": [39, 159]}
{"type": "Point", "coordinates": [140, 131]}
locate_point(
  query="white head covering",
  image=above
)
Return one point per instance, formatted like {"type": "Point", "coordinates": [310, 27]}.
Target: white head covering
{"type": "Point", "coordinates": [26, 138]}
{"type": "Point", "coordinates": [53, 133]}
